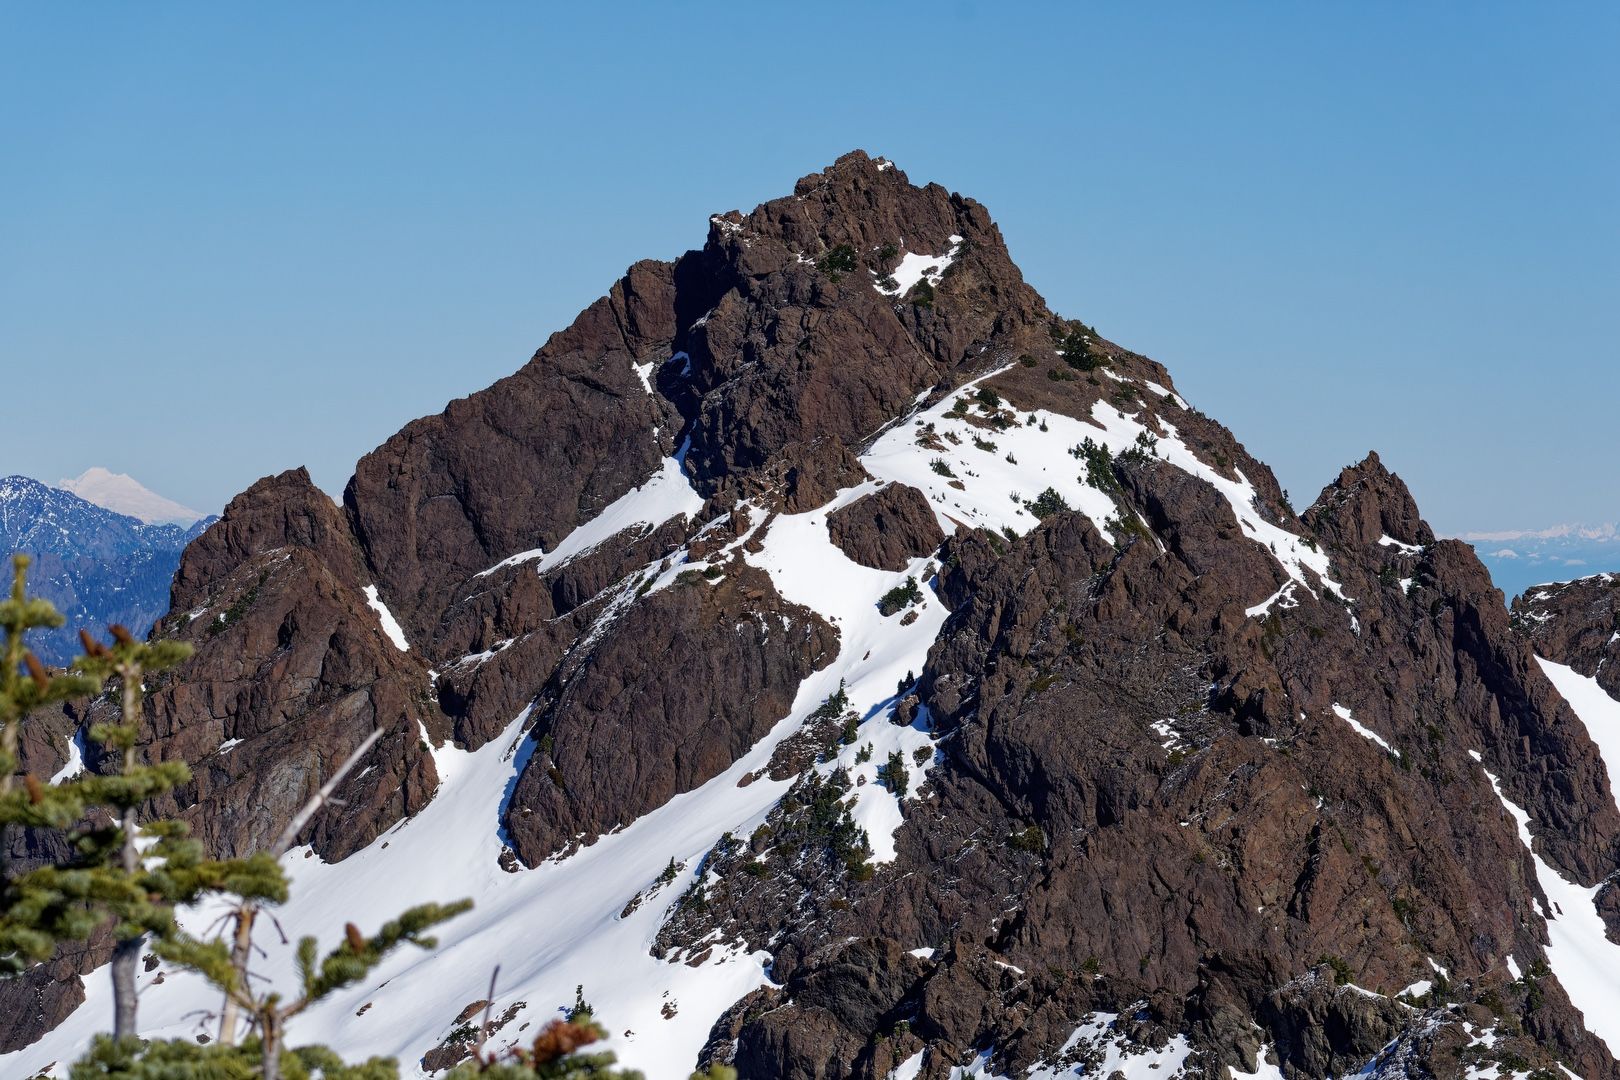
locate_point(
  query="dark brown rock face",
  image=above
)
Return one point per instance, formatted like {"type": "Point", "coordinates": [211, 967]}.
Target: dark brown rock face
{"type": "Point", "coordinates": [661, 702]}
{"type": "Point", "coordinates": [1368, 506]}
{"type": "Point", "coordinates": [501, 642]}
{"type": "Point", "coordinates": [886, 529]}
{"type": "Point", "coordinates": [277, 513]}
{"type": "Point", "coordinates": [1210, 832]}
{"type": "Point", "coordinates": [273, 702]}
{"type": "Point", "coordinates": [1152, 792]}
{"type": "Point", "coordinates": [519, 465]}
{"type": "Point", "coordinates": [794, 351]}
{"type": "Point", "coordinates": [47, 994]}
{"type": "Point", "coordinates": [292, 670]}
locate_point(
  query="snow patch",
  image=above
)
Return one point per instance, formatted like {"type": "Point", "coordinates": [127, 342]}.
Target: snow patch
{"type": "Point", "coordinates": [1166, 392]}
{"type": "Point", "coordinates": [1406, 549]}
{"type": "Point", "coordinates": [644, 373]}
{"type": "Point", "coordinates": [990, 485]}
{"type": "Point", "coordinates": [914, 268]}
{"type": "Point", "coordinates": [1594, 708]}
{"type": "Point", "coordinates": [75, 758]}
{"type": "Point", "coordinates": [1579, 951]}
{"type": "Point", "coordinates": [664, 495]}
{"type": "Point", "coordinates": [1169, 738]}
{"type": "Point", "coordinates": [1283, 598]}
{"type": "Point", "coordinates": [1100, 1037]}
{"type": "Point", "coordinates": [876, 654]}
{"type": "Point", "coordinates": [1098, 1048]}
{"type": "Point", "coordinates": [1263, 1067]}
{"type": "Point", "coordinates": [390, 625]}
{"type": "Point", "coordinates": [1361, 729]}
{"type": "Point", "coordinates": [474, 659]}
{"type": "Point", "coordinates": [910, 1068]}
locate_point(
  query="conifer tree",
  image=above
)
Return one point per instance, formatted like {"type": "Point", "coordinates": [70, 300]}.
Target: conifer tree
{"type": "Point", "coordinates": [318, 976]}
{"type": "Point", "coordinates": [109, 876]}
{"type": "Point", "coordinates": [140, 901]}
{"type": "Point", "coordinates": [35, 912]}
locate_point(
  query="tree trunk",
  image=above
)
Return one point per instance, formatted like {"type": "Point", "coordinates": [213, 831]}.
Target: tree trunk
{"type": "Point", "coordinates": [270, 1060]}
{"type": "Point", "coordinates": [241, 952]}
{"type": "Point", "coordinates": [8, 742]}
{"type": "Point", "coordinates": [128, 951]}
{"type": "Point", "coordinates": [125, 956]}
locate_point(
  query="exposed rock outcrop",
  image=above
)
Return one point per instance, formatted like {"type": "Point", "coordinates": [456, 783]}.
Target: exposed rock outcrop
{"type": "Point", "coordinates": [887, 528]}
{"type": "Point", "coordinates": [1576, 623]}
{"type": "Point", "coordinates": [661, 702]}
{"type": "Point", "coordinates": [1179, 807]}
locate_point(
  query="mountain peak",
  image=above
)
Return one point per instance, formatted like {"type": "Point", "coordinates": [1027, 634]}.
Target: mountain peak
{"type": "Point", "coordinates": [856, 163]}
{"type": "Point", "coordinates": [123, 494]}
{"type": "Point", "coordinates": [830, 535]}
{"type": "Point", "coordinates": [1369, 505]}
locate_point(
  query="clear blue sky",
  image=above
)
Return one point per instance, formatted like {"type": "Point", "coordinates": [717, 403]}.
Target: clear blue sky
{"type": "Point", "coordinates": [238, 238]}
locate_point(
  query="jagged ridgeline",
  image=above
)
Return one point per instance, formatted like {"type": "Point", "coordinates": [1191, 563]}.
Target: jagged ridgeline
{"type": "Point", "coordinates": [831, 661]}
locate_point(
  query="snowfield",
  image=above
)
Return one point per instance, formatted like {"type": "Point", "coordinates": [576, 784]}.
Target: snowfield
{"type": "Point", "coordinates": [982, 478]}
{"type": "Point", "coordinates": [1097, 1048]}
{"type": "Point", "coordinates": [1580, 953]}
{"type": "Point", "coordinates": [558, 926]}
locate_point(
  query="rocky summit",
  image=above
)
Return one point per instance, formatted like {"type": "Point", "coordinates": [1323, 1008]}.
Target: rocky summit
{"type": "Point", "coordinates": [836, 663]}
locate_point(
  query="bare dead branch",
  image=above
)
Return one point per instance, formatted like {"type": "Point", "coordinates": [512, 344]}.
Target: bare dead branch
{"type": "Point", "coordinates": [321, 797]}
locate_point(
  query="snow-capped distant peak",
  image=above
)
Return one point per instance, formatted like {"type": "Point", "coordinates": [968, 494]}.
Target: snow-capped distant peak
{"type": "Point", "coordinates": [123, 494]}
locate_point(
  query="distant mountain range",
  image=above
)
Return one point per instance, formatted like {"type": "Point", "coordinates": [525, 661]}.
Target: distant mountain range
{"type": "Point", "coordinates": [1520, 558]}
{"type": "Point", "coordinates": [96, 565]}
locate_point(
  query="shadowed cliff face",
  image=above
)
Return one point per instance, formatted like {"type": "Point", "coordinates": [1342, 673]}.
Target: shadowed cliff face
{"type": "Point", "coordinates": [1179, 756]}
